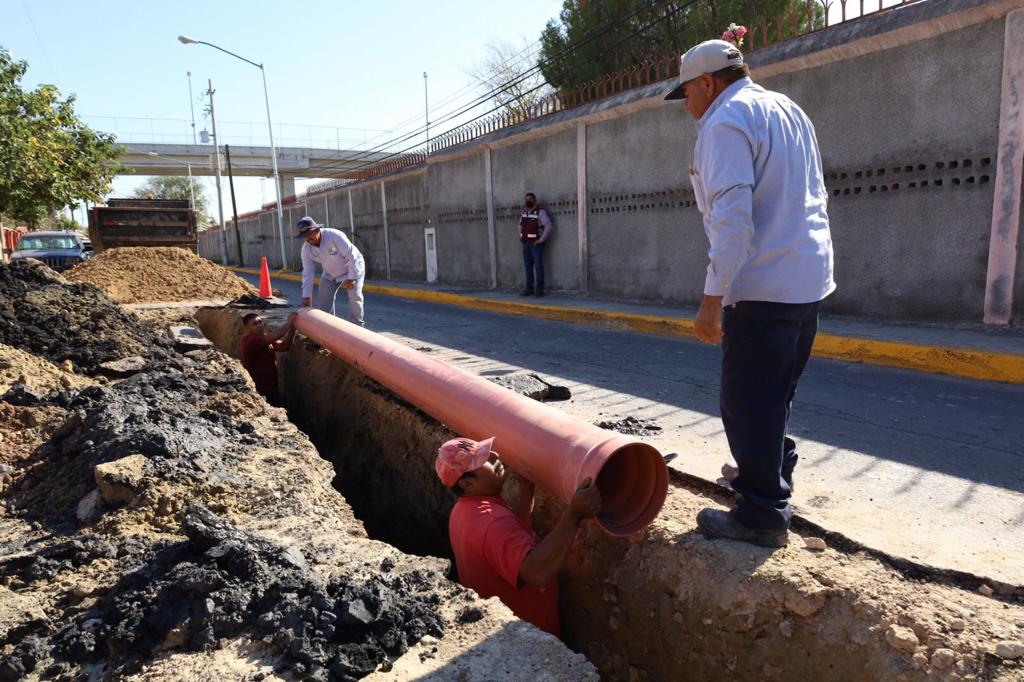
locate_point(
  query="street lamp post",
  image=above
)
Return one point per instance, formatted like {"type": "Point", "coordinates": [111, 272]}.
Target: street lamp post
{"type": "Point", "coordinates": [220, 200]}
{"type": "Point", "coordinates": [426, 111]}
{"type": "Point", "coordinates": [185, 40]}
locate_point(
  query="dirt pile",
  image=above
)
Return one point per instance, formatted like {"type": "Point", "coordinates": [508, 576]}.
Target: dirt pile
{"type": "Point", "coordinates": [131, 446]}
{"type": "Point", "coordinates": [222, 583]}
{"type": "Point", "coordinates": [41, 313]}
{"type": "Point", "coordinates": [19, 367]}
{"type": "Point", "coordinates": [22, 430]}
{"type": "Point", "coordinates": [139, 274]}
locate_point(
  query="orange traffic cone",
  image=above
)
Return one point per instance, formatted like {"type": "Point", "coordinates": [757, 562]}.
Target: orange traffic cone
{"type": "Point", "coordinates": [265, 291]}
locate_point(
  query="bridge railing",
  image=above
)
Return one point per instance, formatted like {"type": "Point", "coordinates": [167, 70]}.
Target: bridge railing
{"type": "Point", "coordinates": [238, 133]}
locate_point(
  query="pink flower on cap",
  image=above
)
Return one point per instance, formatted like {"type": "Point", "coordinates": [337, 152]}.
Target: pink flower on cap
{"type": "Point", "coordinates": [734, 34]}
{"type": "Point", "coordinates": [460, 455]}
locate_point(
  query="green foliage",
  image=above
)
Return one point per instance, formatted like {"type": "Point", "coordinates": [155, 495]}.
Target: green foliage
{"type": "Point", "coordinates": [677, 26]}
{"type": "Point", "coordinates": [67, 224]}
{"type": "Point", "coordinates": [49, 158]}
{"type": "Point", "coordinates": [172, 187]}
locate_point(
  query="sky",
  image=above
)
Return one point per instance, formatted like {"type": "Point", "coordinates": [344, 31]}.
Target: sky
{"type": "Point", "coordinates": [342, 64]}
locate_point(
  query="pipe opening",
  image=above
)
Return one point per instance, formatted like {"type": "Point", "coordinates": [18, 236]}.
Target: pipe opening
{"type": "Point", "coordinates": [633, 484]}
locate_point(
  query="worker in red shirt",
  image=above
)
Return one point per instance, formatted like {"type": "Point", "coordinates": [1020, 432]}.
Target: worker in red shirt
{"type": "Point", "coordinates": [497, 554]}
{"type": "Point", "coordinates": [257, 349]}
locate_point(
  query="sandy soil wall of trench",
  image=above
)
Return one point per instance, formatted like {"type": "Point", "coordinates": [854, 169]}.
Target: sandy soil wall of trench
{"type": "Point", "coordinates": [665, 604]}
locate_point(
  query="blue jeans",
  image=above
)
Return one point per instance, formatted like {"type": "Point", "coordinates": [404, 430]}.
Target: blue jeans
{"type": "Point", "coordinates": [533, 257]}
{"type": "Point", "coordinates": [765, 348]}
{"type": "Point", "coordinates": [328, 291]}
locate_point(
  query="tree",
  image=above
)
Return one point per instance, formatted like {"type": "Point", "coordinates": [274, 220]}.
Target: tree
{"type": "Point", "coordinates": [174, 187]}
{"type": "Point", "coordinates": [594, 38]}
{"type": "Point", "coordinates": [49, 158]}
{"type": "Point", "coordinates": [501, 72]}
{"type": "Point", "coordinates": [67, 224]}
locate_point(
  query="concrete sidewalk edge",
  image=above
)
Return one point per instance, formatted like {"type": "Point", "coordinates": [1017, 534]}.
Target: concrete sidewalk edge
{"type": "Point", "coordinates": [962, 362]}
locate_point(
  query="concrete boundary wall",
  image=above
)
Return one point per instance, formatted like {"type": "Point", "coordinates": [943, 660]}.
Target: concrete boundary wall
{"type": "Point", "coordinates": [924, 184]}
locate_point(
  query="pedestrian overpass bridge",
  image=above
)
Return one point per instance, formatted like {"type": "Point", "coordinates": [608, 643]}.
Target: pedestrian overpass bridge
{"type": "Point", "coordinates": [254, 161]}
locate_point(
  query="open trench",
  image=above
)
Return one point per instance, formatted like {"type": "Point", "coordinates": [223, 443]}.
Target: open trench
{"type": "Point", "coordinates": [664, 604]}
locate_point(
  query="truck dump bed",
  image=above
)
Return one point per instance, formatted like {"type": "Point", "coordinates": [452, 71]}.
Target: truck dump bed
{"type": "Point", "coordinates": [142, 222]}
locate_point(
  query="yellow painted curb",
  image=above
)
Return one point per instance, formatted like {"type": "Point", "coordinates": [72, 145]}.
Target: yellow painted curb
{"type": "Point", "coordinates": [961, 362]}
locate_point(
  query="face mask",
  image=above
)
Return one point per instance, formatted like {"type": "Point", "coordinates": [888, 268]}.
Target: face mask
{"type": "Point", "coordinates": [531, 203]}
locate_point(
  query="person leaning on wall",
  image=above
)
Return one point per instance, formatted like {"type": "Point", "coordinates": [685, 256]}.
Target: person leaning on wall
{"type": "Point", "coordinates": [535, 228]}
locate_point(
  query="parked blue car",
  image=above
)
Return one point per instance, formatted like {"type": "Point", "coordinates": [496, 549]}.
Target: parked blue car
{"type": "Point", "coordinates": [59, 250]}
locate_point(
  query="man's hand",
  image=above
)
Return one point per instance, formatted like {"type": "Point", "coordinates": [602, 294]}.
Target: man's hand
{"type": "Point", "coordinates": [348, 284]}
{"type": "Point", "coordinates": [543, 562]}
{"type": "Point", "coordinates": [708, 323]}
{"type": "Point", "coordinates": [586, 501]}
{"type": "Point", "coordinates": [291, 319]}
{"type": "Point", "coordinates": [304, 303]}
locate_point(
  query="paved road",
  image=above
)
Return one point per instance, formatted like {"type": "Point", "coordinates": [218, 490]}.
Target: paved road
{"type": "Point", "coordinates": [919, 465]}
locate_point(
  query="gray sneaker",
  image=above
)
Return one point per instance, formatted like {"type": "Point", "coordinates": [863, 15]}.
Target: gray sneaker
{"type": "Point", "coordinates": [715, 523]}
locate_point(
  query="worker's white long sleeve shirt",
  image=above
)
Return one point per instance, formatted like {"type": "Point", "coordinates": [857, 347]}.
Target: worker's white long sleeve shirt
{"type": "Point", "coordinates": [758, 182]}
{"type": "Point", "coordinates": [339, 258]}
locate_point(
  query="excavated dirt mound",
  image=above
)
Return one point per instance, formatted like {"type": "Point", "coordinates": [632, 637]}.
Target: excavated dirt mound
{"type": "Point", "coordinates": [163, 593]}
{"type": "Point", "coordinates": [19, 367]}
{"type": "Point", "coordinates": [221, 583]}
{"type": "Point", "coordinates": [41, 313]}
{"type": "Point", "coordinates": [138, 274]}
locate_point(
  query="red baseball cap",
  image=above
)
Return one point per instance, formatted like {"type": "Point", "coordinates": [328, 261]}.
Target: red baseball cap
{"type": "Point", "coordinates": [460, 455]}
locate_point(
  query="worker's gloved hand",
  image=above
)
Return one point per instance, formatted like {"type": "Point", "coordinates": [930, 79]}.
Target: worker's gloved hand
{"type": "Point", "coordinates": [586, 501]}
{"type": "Point", "coordinates": [348, 284]}
{"type": "Point", "coordinates": [304, 303]}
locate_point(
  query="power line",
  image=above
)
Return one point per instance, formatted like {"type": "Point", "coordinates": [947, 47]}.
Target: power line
{"type": "Point", "coordinates": [46, 57]}
{"type": "Point", "coordinates": [517, 58]}
{"type": "Point", "coordinates": [494, 93]}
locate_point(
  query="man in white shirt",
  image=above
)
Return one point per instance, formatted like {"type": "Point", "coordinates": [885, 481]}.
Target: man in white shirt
{"type": "Point", "coordinates": [342, 265]}
{"type": "Point", "coordinates": [758, 182]}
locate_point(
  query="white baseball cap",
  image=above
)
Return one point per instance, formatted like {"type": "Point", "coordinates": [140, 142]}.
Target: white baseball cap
{"type": "Point", "coordinates": [707, 57]}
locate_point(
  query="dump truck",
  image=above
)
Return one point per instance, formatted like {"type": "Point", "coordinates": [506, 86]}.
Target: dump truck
{"type": "Point", "coordinates": [143, 222]}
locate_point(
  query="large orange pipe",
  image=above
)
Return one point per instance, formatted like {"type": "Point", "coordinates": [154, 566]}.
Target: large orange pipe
{"type": "Point", "coordinates": [547, 446]}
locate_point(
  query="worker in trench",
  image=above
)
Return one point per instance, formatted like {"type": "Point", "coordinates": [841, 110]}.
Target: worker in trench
{"type": "Point", "coordinates": [342, 264]}
{"type": "Point", "coordinates": [497, 554]}
{"type": "Point", "coordinates": [258, 350]}
{"type": "Point", "coordinates": [757, 179]}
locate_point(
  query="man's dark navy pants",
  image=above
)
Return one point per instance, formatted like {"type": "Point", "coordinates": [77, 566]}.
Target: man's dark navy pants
{"type": "Point", "coordinates": [765, 349]}
{"type": "Point", "coordinates": [533, 259]}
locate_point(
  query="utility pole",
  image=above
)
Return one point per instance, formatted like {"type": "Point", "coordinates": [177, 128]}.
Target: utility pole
{"type": "Point", "coordinates": [426, 111]}
{"type": "Point", "coordinates": [220, 203]}
{"type": "Point", "coordinates": [191, 106]}
{"type": "Point", "coordinates": [234, 207]}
